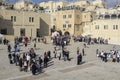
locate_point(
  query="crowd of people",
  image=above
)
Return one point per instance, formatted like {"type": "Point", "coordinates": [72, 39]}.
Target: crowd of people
{"type": "Point", "coordinates": [26, 39]}
{"type": "Point", "coordinates": [90, 40]}
{"type": "Point", "coordinates": [27, 60]}
{"type": "Point", "coordinates": [113, 55]}
{"type": "Point", "coordinates": [30, 61]}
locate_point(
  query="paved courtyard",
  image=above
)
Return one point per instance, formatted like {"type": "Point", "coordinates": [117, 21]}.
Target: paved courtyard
{"type": "Point", "coordinates": [92, 67]}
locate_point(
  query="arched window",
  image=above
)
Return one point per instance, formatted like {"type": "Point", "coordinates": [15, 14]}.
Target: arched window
{"type": "Point", "coordinates": [100, 17]}
{"type": "Point", "coordinates": [119, 16]}
{"type": "Point", "coordinates": [113, 16]}
{"type": "Point", "coordinates": [107, 16]}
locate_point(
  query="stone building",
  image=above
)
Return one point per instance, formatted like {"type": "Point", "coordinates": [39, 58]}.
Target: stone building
{"type": "Point", "coordinates": [21, 23]}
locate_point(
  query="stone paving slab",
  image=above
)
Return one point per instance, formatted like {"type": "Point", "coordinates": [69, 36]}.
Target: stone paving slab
{"type": "Point", "coordinates": [33, 77]}
{"type": "Point", "coordinates": [77, 68]}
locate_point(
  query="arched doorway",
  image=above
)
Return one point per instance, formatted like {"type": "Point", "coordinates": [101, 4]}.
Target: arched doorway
{"type": "Point", "coordinates": [66, 33]}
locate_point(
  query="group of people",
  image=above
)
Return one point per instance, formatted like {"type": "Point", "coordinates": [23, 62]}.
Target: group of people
{"type": "Point", "coordinates": [113, 55]}
{"type": "Point", "coordinates": [4, 41]}
{"type": "Point", "coordinates": [61, 53]}
{"type": "Point", "coordinates": [90, 40]}
{"type": "Point", "coordinates": [26, 40]}
{"type": "Point", "coordinates": [29, 60]}
{"type": "Point", "coordinates": [60, 40]}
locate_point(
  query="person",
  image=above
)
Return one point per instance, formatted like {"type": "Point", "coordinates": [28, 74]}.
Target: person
{"type": "Point", "coordinates": [62, 45]}
{"type": "Point", "coordinates": [14, 60]}
{"type": "Point", "coordinates": [18, 48]}
{"type": "Point", "coordinates": [105, 57]}
{"type": "Point", "coordinates": [20, 64]}
{"type": "Point", "coordinates": [17, 58]}
{"type": "Point", "coordinates": [45, 54]}
{"type": "Point", "coordinates": [55, 52]}
{"type": "Point", "coordinates": [9, 48]}
{"type": "Point", "coordinates": [67, 55]}
{"type": "Point", "coordinates": [118, 57]}
{"type": "Point", "coordinates": [45, 41]}
{"type": "Point", "coordinates": [102, 56]}
{"type": "Point", "coordinates": [38, 39]}
{"type": "Point", "coordinates": [45, 61]}
{"type": "Point", "coordinates": [97, 52]}
{"type": "Point", "coordinates": [25, 42]}
{"type": "Point", "coordinates": [35, 45]}
{"type": "Point", "coordinates": [59, 55]}
{"type": "Point", "coordinates": [49, 54]}
{"type": "Point", "coordinates": [33, 68]}
{"type": "Point", "coordinates": [28, 61]}
{"type": "Point", "coordinates": [40, 61]}
{"type": "Point", "coordinates": [15, 48]}
{"type": "Point", "coordinates": [78, 50]}
{"type": "Point", "coordinates": [4, 41]}
{"type": "Point", "coordinates": [114, 57]}
{"type": "Point", "coordinates": [25, 66]}
{"type": "Point", "coordinates": [79, 59]}
{"type": "Point", "coordinates": [10, 58]}
{"type": "Point", "coordinates": [83, 52]}
{"type": "Point", "coordinates": [64, 55]}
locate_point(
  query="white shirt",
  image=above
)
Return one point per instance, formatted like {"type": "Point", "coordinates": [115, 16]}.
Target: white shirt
{"type": "Point", "coordinates": [25, 63]}
{"type": "Point", "coordinates": [28, 57]}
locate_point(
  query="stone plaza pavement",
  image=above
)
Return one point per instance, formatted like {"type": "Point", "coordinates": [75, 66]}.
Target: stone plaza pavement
{"type": "Point", "coordinates": [92, 67]}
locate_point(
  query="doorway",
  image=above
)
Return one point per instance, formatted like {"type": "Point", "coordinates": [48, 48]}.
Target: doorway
{"type": "Point", "coordinates": [22, 32]}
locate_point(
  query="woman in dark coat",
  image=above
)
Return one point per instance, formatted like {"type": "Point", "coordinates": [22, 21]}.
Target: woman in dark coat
{"type": "Point", "coordinates": [33, 68]}
{"type": "Point", "coordinates": [20, 64]}
{"type": "Point", "coordinates": [79, 59]}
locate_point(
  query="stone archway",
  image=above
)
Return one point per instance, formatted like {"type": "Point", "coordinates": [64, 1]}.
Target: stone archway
{"type": "Point", "coordinates": [66, 33]}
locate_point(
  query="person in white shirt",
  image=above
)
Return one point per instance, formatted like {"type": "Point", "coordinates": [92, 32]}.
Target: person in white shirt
{"type": "Point", "coordinates": [28, 61]}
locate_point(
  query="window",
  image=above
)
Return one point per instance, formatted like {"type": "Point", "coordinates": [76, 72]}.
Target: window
{"type": "Point", "coordinates": [69, 16]}
{"type": "Point", "coordinates": [3, 31]}
{"type": "Point", "coordinates": [69, 25]}
{"type": "Point", "coordinates": [115, 27]}
{"type": "Point", "coordinates": [97, 27]}
{"type": "Point", "coordinates": [64, 25]}
{"type": "Point", "coordinates": [105, 26]}
{"type": "Point", "coordinates": [64, 16]}
{"type": "Point", "coordinates": [13, 18]}
{"type": "Point", "coordinates": [31, 19]}
{"type": "Point", "coordinates": [22, 32]}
